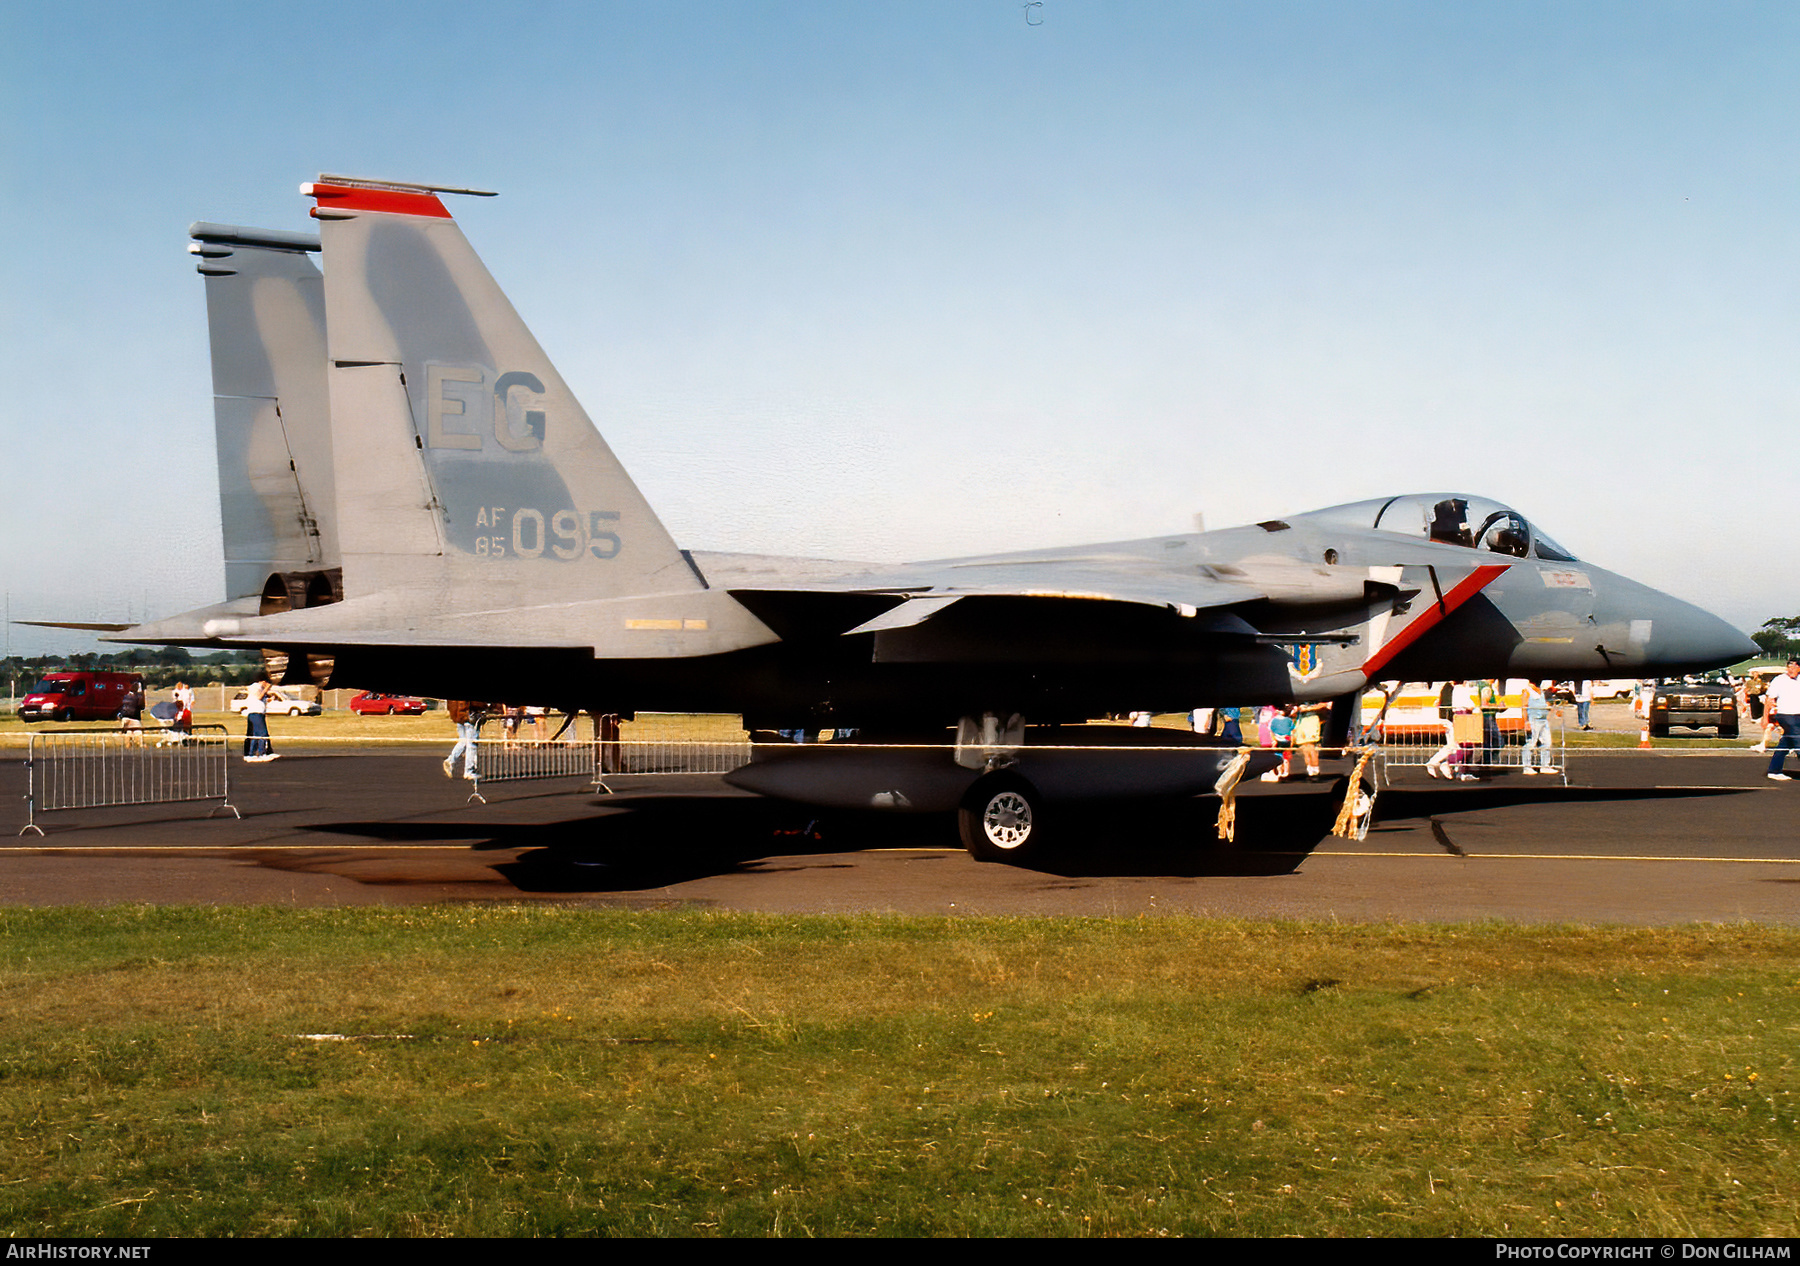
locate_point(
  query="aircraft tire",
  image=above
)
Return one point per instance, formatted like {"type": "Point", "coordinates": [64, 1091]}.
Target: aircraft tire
{"type": "Point", "coordinates": [1002, 819]}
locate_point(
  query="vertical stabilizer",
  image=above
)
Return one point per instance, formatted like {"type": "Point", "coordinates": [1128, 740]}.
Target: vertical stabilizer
{"type": "Point", "coordinates": [265, 308]}
{"type": "Point", "coordinates": [466, 472]}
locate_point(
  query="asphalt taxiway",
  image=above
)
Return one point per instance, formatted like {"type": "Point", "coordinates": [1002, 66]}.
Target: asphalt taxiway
{"type": "Point", "coordinates": [1642, 838]}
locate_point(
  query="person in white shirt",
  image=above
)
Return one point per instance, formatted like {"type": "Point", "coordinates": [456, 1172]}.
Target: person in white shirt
{"type": "Point", "coordinates": [257, 748]}
{"type": "Point", "coordinates": [1782, 703]}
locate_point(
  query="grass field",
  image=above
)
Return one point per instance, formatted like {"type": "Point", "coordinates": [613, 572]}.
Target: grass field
{"type": "Point", "coordinates": [552, 1070]}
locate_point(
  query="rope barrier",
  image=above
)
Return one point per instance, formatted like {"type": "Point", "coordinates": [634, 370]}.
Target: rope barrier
{"type": "Point", "coordinates": [1345, 826]}
{"type": "Point", "coordinates": [1226, 788]}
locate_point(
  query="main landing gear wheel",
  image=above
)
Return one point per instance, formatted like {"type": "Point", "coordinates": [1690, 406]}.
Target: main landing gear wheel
{"type": "Point", "coordinates": [1002, 819]}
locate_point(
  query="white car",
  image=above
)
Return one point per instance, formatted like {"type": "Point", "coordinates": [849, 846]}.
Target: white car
{"type": "Point", "coordinates": [277, 702]}
{"type": "Point", "coordinates": [1600, 691]}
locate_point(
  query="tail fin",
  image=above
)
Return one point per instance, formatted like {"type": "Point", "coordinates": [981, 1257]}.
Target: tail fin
{"type": "Point", "coordinates": [466, 471]}
{"type": "Point", "coordinates": [265, 308]}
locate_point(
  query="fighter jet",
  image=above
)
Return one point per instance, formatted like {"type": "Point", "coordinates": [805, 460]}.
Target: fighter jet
{"type": "Point", "coordinates": [450, 522]}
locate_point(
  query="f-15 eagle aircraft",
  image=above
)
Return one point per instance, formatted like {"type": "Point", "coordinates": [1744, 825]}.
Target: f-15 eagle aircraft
{"type": "Point", "coordinates": [414, 502]}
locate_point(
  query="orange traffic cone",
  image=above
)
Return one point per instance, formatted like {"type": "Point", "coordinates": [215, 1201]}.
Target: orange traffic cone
{"type": "Point", "coordinates": [1644, 736]}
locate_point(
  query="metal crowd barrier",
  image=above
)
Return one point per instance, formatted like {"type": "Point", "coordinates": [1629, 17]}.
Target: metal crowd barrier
{"type": "Point", "coordinates": [1418, 746]}
{"type": "Point", "coordinates": [96, 769]}
{"type": "Point", "coordinates": [573, 756]}
{"type": "Point", "coordinates": [519, 760]}
{"type": "Point", "coordinates": [671, 756]}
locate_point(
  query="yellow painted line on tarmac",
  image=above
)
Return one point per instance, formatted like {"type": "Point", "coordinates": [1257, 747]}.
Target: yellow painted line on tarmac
{"type": "Point", "coordinates": [351, 848]}
{"type": "Point", "coordinates": [241, 848]}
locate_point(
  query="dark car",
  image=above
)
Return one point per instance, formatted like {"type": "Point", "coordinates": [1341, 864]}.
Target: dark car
{"type": "Point", "coordinates": [1696, 702]}
{"type": "Point", "coordinates": [370, 704]}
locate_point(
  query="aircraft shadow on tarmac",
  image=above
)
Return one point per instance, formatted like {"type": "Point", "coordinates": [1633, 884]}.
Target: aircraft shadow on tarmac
{"type": "Point", "coordinates": [658, 841]}
{"type": "Point", "coordinates": [654, 842]}
{"type": "Point", "coordinates": [647, 850]}
{"type": "Point", "coordinates": [1400, 803]}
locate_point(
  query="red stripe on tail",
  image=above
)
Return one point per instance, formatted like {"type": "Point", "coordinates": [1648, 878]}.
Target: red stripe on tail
{"type": "Point", "coordinates": [399, 202]}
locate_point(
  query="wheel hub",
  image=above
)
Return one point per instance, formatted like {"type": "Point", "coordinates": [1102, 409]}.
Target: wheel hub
{"type": "Point", "coordinates": [1007, 820]}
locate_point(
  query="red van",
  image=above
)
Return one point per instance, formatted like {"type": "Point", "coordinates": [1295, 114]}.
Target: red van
{"type": "Point", "coordinates": [81, 696]}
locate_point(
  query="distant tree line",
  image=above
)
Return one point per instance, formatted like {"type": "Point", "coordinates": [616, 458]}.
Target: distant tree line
{"type": "Point", "coordinates": [160, 666]}
{"type": "Point", "coordinates": [1779, 636]}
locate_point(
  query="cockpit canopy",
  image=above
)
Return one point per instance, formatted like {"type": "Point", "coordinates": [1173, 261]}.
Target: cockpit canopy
{"type": "Point", "coordinates": [1455, 519]}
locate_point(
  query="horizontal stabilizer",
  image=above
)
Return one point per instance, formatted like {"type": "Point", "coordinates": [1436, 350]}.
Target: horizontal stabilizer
{"type": "Point", "coordinates": [672, 625]}
{"type": "Point", "coordinates": [85, 625]}
{"type": "Point", "coordinates": [191, 628]}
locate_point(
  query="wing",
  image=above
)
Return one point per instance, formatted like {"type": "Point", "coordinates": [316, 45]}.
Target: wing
{"type": "Point", "coordinates": [1132, 575]}
{"type": "Point", "coordinates": [1060, 607]}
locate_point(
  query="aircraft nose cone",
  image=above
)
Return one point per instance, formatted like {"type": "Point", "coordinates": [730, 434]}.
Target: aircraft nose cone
{"type": "Point", "coordinates": [1657, 635]}
{"type": "Point", "coordinates": [1689, 639]}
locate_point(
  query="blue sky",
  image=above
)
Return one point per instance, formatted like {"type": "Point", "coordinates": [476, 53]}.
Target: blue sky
{"type": "Point", "coordinates": [907, 280]}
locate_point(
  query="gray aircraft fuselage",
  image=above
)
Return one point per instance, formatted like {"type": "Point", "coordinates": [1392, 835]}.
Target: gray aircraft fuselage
{"type": "Point", "coordinates": [1070, 658]}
